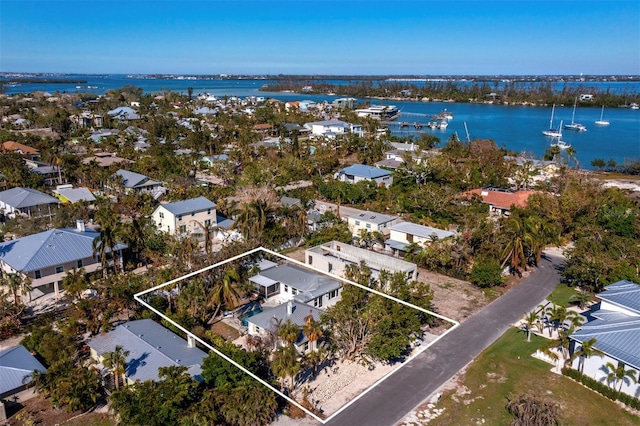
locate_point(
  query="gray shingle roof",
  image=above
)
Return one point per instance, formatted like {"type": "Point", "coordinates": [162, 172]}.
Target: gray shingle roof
{"type": "Point", "coordinates": [49, 248]}
{"type": "Point", "coordinates": [301, 279]}
{"type": "Point", "coordinates": [361, 170]}
{"type": "Point", "coordinates": [150, 347]}
{"type": "Point", "coordinates": [131, 179]}
{"type": "Point", "coordinates": [265, 319]}
{"type": "Point", "coordinates": [26, 197]}
{"type": "Point", "coordinates": [16, 363]}
{"type": "Point", "coordinates": [189, 206]}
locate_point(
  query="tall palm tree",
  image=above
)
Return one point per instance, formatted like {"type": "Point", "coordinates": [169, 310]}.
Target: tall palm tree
{"type": "Point", "coordinates": [619, 374]}
{"type": "Point", "coordinates": [514, 252]}
{"type": "Point", "coordinates": [75, 282]}
{"type": "Point", "coordinates": [106, 243]}
{"type": "Point", "coordinates": [14, 282]}
{"type": "Point", "coordinates": [225, 292]}
{"type": "Point", "coordinates": [285, 363]}
{"type": "Point", "coordinates": [116, 361]}
{"type": "Point", "coordinates": [312, 329]}
{"type": "Point", "coordinates": [586, 351]}
{"type": "Point", "coordinates": [530, 320]}
{"type": "Point", "coordinates": [289, 332]}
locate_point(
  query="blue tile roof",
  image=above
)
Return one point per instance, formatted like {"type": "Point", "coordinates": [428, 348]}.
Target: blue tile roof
{"type": "Point", "coordinates": [365, 171]}
{"type": "Point", "coordinates": [189, 206]}
{"type": "Point", "coordinates": [49, 248]}
{"type": "Point", "coordinates": [26, 197]}
{"type": "Point", "coordinates": [16, 363]}
{"type": "Point", "coordinates": [150, 347]}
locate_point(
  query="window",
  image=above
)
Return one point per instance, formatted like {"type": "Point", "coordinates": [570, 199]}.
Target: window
{"type": "Point", "coordinates": [193, 214]}
{"type": "Point", "coordinates": [59, 269]}
{"type": "Point", "coordinates": [37, 274]}
{"type": "Point", "coordinates": [310, 261]}
{"type": "Point", "coordinates": [209, 211]}
{"type": "Point", "coordinates": [330, 267]}
{"type": "Point", "coordinates": [317, 302]}
{"type": "Point", "coordinates": [410, 238]}
{"type": "Point", "coordinates": [79, 264]}
{"type": "Point", "coordinates": [368, 226]}
{"type": "Point", "coordinates": [357, 222]}
{"type": "Point", "coordinates": [161, 215]}
{"type": "Point", "coordinates": [183, 229]}
{"type": "Point", "coordinates": [286, 288]}
{"type": "Point", "coordinates": [207, 222]}
{"type": "Point", "coordinates": [179, 217]}
{"type": "Point", "coordinates": [306, 347]}
{"type": "Point", "coordinates": [294, 291]}
{"type": "Point", "coordinates": [333, 294]}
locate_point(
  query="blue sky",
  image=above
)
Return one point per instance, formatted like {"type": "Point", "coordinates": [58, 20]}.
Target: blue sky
{"type": "Point", "coordinates": [321, 37]}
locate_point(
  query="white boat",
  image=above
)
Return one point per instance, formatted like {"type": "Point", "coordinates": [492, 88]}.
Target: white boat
{"type": "Point", "coordinates": [554, 133]}
{"type": "Point", "coordinates": [561, 144]}
{"type": "Point", "coordinates": [602, 122]}
{"type": "Point", "coordinates": [575, 126]}
{"type": "Point", "coordinates": [380, 112]}
{"type": "Point", "coordinates": [634, 106]}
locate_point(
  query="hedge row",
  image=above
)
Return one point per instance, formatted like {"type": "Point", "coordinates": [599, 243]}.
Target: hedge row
{"type": "Point", "coordinates": [602, 388]}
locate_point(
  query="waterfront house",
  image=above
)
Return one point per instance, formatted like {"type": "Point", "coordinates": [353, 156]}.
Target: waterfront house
{"type": "Point", "coordinates": [28, 202]}
{"type": "Point", "coordinates": [333, 257]}
{"type": "Point", "coordinates": [150, 347]}
{"type": "Point", "coordinates": [403, 234]}
{"type": "Point", "coordinates": [267, 321]}
{"type": "Point", "coordinates": [286, 282]}
{"type": "Point", "coordinates": [333, 128]}
{"type": "Point", "coordinates": [46, 258]}
{"type": "Point", "coordinates": [615, 325]}
{"type": "Point", "coordinates": [370, 221]}
{"type": "Point", "coordinates": [500, 200]}
{"type": "Point", "coordinates": [185, 217]}
{"type": "Point", "coordinates": [360, 172]}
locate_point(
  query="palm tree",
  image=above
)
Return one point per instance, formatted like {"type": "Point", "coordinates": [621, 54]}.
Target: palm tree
{"type": "Point", "coordinates": [75, 282]}
{"type": "Point", "coordinates": [289, 332]}
{"type": "Point", "coordinates": [116, 361]}
{"type": "Point", "coordinates": [14, 282]}
{"type": "Point", "coordinates": [619, 374]}
{"type": "Point", "coordinates": [107, 242]}
{"type": "Point", "coordinates": [562, 344]}
{"type": "Point", "coordinates": [312, 329]}
{"type": "Point", "coordinates": [530, 320]}
{"type": "Point", "coordinates": [285, 363]}
{"type": "Point", "coordinates": [225, 292]}
{"type": "Point", "coordinates": [587, 350]}
{"type": "Point", "coordinates": [581, 298]}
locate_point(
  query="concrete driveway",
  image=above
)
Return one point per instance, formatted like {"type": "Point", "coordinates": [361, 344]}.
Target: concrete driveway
{"type": "Point", "coordinates": [389, 402]}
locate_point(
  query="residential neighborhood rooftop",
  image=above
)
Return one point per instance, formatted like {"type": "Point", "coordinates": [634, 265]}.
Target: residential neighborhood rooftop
{"type": "Point", "coordinates": [188, 206]}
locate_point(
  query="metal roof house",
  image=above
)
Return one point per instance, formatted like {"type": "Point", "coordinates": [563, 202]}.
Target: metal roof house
{"type": "Point", "coordinates": [124, 114]}
{"type": "Point", "coordinates": [404, 233]}
{"type": "Point", "coordinates": [150, 347]}
{"type": "Point", "coordinates": [16, 364]}
{"type": "Point", "coordinates": [185, 217]}
{"type": "Point", "coordinates": [28, 202]}
{"type": "Point", "coordinates": [136, 182]}
{"type": "Point", "coordinates": [371, 221]}
{"type": "Point", "coordinates": [360, 172]}
{"type": "Point", "coordinates": [616, 327]}
{"type": "Point", "coordinates": [266, 321]}
{"type": "Point", "coordinates": [46, 257]}
{"type": "Point", "coordinates": [69, 194]}
{"type": "Point", "coordinates": [287, 282]}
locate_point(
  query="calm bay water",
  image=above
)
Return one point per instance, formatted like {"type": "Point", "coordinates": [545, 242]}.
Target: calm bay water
{"type": "Point", "coordinates": [514, 127]}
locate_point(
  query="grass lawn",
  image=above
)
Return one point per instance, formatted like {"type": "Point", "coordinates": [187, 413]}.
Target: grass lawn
{"type": "Point", "coordinates": [506, 369]}
{"type": "Point", "coordinates": [560, 296]}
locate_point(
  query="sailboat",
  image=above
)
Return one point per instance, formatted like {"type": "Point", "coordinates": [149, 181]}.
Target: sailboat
{"type": "Point", "coordinates": [602, 122]}
{"type": "Point", "coordinates": [554, 133]}
{"type": "Point", "coordinates": [575, 126]}
{"type": "Point", "coordinates": [560, 143]}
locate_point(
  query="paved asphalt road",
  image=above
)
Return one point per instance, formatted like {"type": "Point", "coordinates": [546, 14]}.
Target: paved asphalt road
{"type": "Point", "coordinates": [389, 402]}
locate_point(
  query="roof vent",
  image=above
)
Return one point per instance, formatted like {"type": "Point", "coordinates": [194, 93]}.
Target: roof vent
{"type": "Point", "coordinates": [484, 193]}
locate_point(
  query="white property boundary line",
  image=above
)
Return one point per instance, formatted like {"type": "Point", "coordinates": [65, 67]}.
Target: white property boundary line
{"type": "Point", "coordinates": [138, 298]}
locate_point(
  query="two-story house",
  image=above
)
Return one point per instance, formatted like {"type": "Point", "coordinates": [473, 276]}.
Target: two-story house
{"type": "Point", "coordinates": [403, 234]}
{"type": "Point", "coordinates": [46, 258]}
{"type": "Point", "coordinates": [371, 222]}
{"type": "Point", "coordinates": [135, 182]}
{"type": "Point", "coordinates": [333, 128]}
{"type": "Point", "coordinates": [185, 217]}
